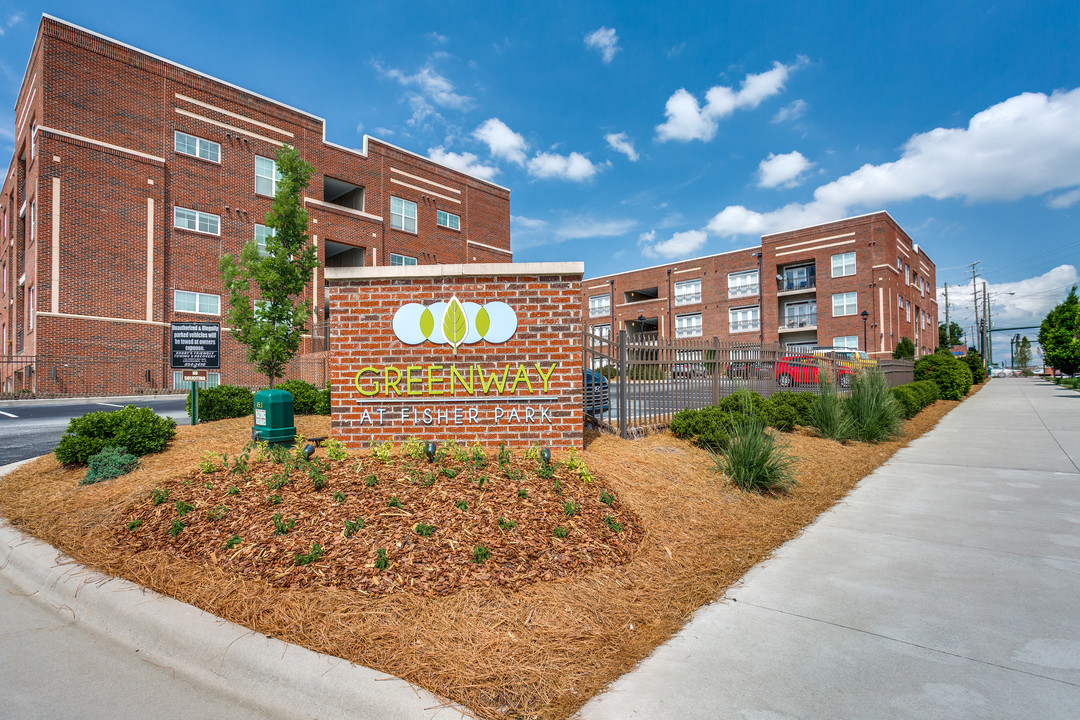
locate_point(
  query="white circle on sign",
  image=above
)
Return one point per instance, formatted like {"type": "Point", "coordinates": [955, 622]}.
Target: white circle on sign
{"type": "Point", "coordinates": [502, 321]}
{"type": "Point", "coordinates": [407, 324]}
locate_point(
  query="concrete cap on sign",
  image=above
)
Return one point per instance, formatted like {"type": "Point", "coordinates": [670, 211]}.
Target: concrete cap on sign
{"type": "Point", "coordinates": [454, 270]}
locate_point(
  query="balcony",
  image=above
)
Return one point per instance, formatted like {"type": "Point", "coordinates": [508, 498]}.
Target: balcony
{"type": "Point", "coordinates": [739, 291]}
{"type": "Point", "coordinates": [796, 282]}
{"type": "Point", "coordinates": [800, 321]}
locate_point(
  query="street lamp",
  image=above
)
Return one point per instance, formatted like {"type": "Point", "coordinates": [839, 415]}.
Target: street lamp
{"type": "Point", "coordinates": [864, 315]}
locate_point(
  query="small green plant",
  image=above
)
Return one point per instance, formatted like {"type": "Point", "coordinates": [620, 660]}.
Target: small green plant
{"type": "Point", "coordinates": [339, 497]}
{"type": "Point", "coordinates": [274, 499]}
{"type": "Point", "coordinates": [139, 430]}
{"type": "Point", "coordinates": [217, 513]}
{"type": "Point", "coordinates": [414, 448]}
{"type": "Point", "coordinates": [461, 505]}
{"type": "Point", "coordinates": [208, 485]}
{"type": "Point", "coordinates": [318, 479]}
{"type": "Point", "coordinates": [612, 525]}
{"type": "Point", "coordinates": [571, 508]}
{"type": "Point", "coordinates": [110, 463]}
{"type": "Point", "coordinates": [459, 453]}
{"type": "Point", "coordinates": [480, 554]}
{"type": "Point", "coordinates": [505, 524]}
{"type": "Point", "coordinates": [504, 454]}
{"type": "Point", "coordinates": [523, 493]}
{"type": "Point", "coordinates": [477, 456]}
{"type": "Point", "coordinates": [533, 451]}
{"type": "Point", "coordinates": [176, 527]}
{"type": "Point", "coordinates": [559, 531]}
{"type": "Point", "coordinates": [282, 527]}
{"type": "Point", "coordinates": [424, 530]}
{"type": "Point", "coordinates": [207, 464]}
{"type": "Point", "coordinates": [557, 487]}
{"type": "Point", "coordinates": [278, 480]}
{"type": "Point", "coordinates": [874, 413]}
{"type": "Point", "coordinates": [232, 542]}
{"type": "Point", "coordinates": [335, 449]}
{"type": "Point", "coordinates": [381, 561]}
{"type": "Point", "coordinates": [827, 415]}
{"type": "Point", "coordinates": [573, 462]}
{"type": "Point", "coordinates": [753, 461]}
{"type": "Point", "coordinates": [513, 473]}
{"type": "Point", "coordinates": [134, 524]}
{"type": "Point", "coordinates": [183, 508]}
{"type": "Point", "coordinates": [159, 496]}
{"type": "Point", "coordinates": [371, 481]}
{"type": "Point", "coordinates": [383, 451]}
{"type": "Point", "coordinates": [545, 472]}
{"type": "Point", "coordinates": [310, 557]}
{"type": "Point", "coordinates": [430, 478]}
{"type": "Point", "coordinates": [607, 498]}
{"type": "Point", "coordinates": [233, 490]}
{"type": "Point", "coordinates": [481, 481]}
{"type": "Point", "coordinates": [351, 526]}
{"type": "Point", "coordinates": [394, 502]}
{"type": "Point", "coordinates": [448, 472]}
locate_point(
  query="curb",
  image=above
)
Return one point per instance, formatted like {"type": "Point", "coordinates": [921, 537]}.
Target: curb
{"type": "Point", "coordinates": [278, 679]}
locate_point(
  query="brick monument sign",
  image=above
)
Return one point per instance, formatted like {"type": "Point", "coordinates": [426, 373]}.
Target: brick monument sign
{"type": "Point", "coordinates": [481, 352]}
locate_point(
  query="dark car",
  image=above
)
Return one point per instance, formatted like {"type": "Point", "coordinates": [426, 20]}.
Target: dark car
{"type": "Point", "coordinates": [803, 369]}
{"type": "Point", "coordinates": [597, 392]}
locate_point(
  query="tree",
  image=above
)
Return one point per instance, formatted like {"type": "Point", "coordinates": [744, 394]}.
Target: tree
{"type": "Point", "coordinates": [1022, 356]}
{"type": "Point", "coordinates": [951, 335]}
{"type": "Point", "coordinates": [264, 287]}
{"type": "Point", "coordinates": [1059, 335]}
{"type": "Point", "coordinates": [905, 349]}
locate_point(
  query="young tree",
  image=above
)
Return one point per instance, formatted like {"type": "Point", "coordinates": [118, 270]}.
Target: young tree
{"type": "Point", "coordinates": [1022, 356]}
{"type": "Point", "coordinates": [1059, 335]}
{"type": "Point", "coordinates": [264, 287]}
{"type": "Point", "coordinates": [905, 349]}
{"type": "Point", "coordinates": [951, 335]}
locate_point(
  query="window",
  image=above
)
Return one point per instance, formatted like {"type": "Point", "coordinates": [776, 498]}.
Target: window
{"type": "Point", "coordinates": [195, 302]}
{"type": "Point", "coordinates": [402, 214]}
{"type": "Point", "coordinates": [909, 311]}
{"type": "Point", "coordinates": [603, 331]}
{"type": "Point", "coordinates": [802, 277]}
{"type": "Point", "coordinates": [907, 274]}
{"type": "Point", "coordinates": [899, 263]}
{"type": "Point", "coordinates": [261, 233]}
{"type": "Point", "coordinates": [844, 304]}
{"type": "Point", "coordinates": [848, 341]}
{"type": "Point", "coordinates": [266, 176]}
{"type": "Point", "coordinates": [742, 283]}
{"type": "Point", "coordinates": [843, 264]}
{"type": "Point", "coordinates": [900, 302]}
{"type": "Point", "coordinates": [396, 259]}
{"type": "Point", "coordinates": [599, 305]}
{"type": "Point", "coordinates": [800, 314]}
{"type": "Point", "coordinates": [444, 219]}
{"type": "Point", "coordinates": [688, 292]}
{"type": "Point", "coordinates": [744, 319]}
{"type": "Point", "coordinates": [30, 306]}
{"type": "Point", "coordinates": [196, 146]}
{"type": "Point", "coordinates": [198, 221]}
{"type": "Point", "coordinates": [33, 216]}
{"type": "Point", "coordinates": [33, 138]}
{"type": "Point", "coordinates": [688, 325]}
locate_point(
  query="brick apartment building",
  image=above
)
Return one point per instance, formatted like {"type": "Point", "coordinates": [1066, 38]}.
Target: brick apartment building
{"type": "Point", "coordinates": [133, 175]}
{"type": "Point", "coordinates": [864, 272]}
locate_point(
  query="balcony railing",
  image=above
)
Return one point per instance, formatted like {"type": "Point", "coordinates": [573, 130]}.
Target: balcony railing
{"type": "Point", "coordinates": [796, 282]}
{"type": "Point", "coordinates": [744, 325]}
{"type": "Point", "coordinates": [801, 320]}
{"type": "Point", "coordinates": [742, 290]}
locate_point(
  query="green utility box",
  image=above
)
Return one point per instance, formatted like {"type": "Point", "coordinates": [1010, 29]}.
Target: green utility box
{"type": "Point", "coordinates": [274, 417]}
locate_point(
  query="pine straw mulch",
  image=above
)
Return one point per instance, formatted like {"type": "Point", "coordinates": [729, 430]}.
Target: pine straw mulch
{"type": "Point", "coordinates": [535, 651]}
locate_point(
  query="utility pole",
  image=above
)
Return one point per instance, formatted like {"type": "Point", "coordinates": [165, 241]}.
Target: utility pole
{"type": "Point", "coordinates": [947, 311]}
{"type": "Point", "coordinates": [975, 301]}
{"type": "Point", "coordinates": [987, 350]}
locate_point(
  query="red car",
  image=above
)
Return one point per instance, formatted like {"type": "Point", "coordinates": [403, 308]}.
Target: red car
{"type": "Point", "coordinates": [800, 369]}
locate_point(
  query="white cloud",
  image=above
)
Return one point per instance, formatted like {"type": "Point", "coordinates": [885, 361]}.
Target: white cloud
{"type": "Point", "coordinates": [526, 224]}
{"type": "Point", "coordinates": [588, 228]}
{"type": "Point", "coordinates": [574, 167]}
{"type": "Point", "coordinates": [435, 87]}
{"type": "Point", "coordinates": [1024, 146]}
{"type": "Point", "coordinates": [688, 120]}
{"type": "Point", "coordinates": [606, 41]}
{"type": "Point", "coordinates": [502, 141]}
{"type": "Point", "coordinates": [465, 162]}
{"type": "Point", "coordinates": [791, 112]}
{"type": "Point", "coordinates": [680, 244]}
{"type": "Point", "coordinates": [783, 170]}
{"type": "Point", "coordinates": [1064, 200]}
{"type": "Point", "coordinates": [436, 37]}
{"type": "Point", "coordinates": [382, 131]}
{"type": "Point", "coordinates": [531, 232]}
{"type": "Point", "coordinates": [619, 142]}
{"type": "Point", "coordinates": [13, 19]}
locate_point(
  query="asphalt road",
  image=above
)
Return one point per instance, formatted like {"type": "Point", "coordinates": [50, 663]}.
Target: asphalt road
{"type": "Point", "coordinates": [32, 428]}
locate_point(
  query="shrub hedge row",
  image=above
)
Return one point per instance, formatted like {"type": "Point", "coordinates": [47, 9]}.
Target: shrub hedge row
{"type": "Point", "coordinates": [913, 397]}
{"type": "Point", "coordinates": [711, 427]}
{"type": "Point", "coordinates": [229, 401]}
{"type": "Point", "coordinates": [951, 375]}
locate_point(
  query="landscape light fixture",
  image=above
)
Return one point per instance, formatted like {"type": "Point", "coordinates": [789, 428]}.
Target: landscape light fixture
{"type": "Point", "coordinates": [309, 450]}
{"type": "Point", "coordinates": [430, 450]}
{"type": "Point", "coordinates": [545, 456]}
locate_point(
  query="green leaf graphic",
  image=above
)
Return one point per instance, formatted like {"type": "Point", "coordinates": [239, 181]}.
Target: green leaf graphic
{"type": "Point", "coordinates": [427, 323]}
{"type": "Point", "coordinates": [455, 325]}
{"type": "Point", "coordinates": [483, 322]}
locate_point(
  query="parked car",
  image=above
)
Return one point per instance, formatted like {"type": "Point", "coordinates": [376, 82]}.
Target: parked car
{"type": "Point", "coordinates": [856, 359]}
{"type": "Point", "coordinates": [803, 369]}
{"type": "Point", "coordinates": [597, 392]}
{"type": "Point", "coordinates": [687, 370]}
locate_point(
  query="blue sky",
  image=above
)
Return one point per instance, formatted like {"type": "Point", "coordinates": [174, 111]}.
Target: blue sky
{"type": "Point", "coordinates": [632, 134]}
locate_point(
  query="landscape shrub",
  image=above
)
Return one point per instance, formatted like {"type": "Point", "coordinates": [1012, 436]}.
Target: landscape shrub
{"type": "Point", "coordinates": [800, 402]}
{"type": "Point", "coordinates": [974, 363]}
{"type": "Point", "coordinates": [753, 460]}
{"type": "Point", "coordinates": [223, 401]}
{"type": "Point", "coordinates": [709, 427]}
{"type": "Point", "coordinates": [926, 390]}
{"type": "Point", "coordinates": [111, 462]}
{"type": "Point", "coordinates": [137, 429]}
{"type": "Point", "coordinates": [746, 402]}
{"type": "Point", "coordinates": [871, 409]}
{"type": "Point", "coordinates": [952, 377]}
{"type": "Point", "coordinates": [304, 395]}
{"type": "Point", "coordinates": [322, 401]}
{"type": "Point", "coordinates": [782, 417]}
{"type": "Point", "coordinates": [907, 399]}
{"type": "Point", "coordinates": [827, 414]}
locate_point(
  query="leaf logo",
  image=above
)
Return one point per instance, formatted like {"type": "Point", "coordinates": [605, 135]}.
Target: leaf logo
{"type": "Point", "coordinates": [455, 324]}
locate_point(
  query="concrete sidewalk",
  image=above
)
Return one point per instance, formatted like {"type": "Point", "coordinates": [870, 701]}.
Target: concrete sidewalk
{"type": "Point", "coordinates": [946, 585]}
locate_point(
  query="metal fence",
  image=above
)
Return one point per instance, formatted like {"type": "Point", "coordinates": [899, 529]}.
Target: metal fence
{"type": "Point", "coordinates": [637, 382]}
{"type": "Point", "coordinates": [64, 376]}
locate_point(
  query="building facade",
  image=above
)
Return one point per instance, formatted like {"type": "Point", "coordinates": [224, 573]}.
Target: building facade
{"type": "Point", "coordinates": [133, 175]}
{"type": "Point", "coordinates": [859, 283]}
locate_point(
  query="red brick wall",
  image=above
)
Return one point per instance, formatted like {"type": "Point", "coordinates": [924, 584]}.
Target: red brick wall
{"type": "Point", "coordinates": [546, 299]}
